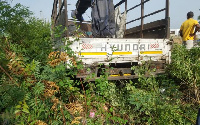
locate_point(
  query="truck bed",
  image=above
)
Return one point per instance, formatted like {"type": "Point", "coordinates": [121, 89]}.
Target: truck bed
{"type": "Point", "coordinates": [108, 51]}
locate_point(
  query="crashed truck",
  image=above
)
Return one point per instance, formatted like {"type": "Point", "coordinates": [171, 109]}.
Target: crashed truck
{"type": "Point", "coordinates": [117, 46]}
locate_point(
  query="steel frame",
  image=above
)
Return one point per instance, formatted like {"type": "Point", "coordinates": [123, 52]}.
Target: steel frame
{"type": "Point", "coordinates": [62, 8]}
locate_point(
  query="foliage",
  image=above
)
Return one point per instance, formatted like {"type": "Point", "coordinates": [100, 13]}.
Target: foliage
{"type": "Point", "coordinates": [37, 84]}
{"type": "Point", "coordinates": [22, 30]}
{"type": "Point", "coordinates": [186, 67]}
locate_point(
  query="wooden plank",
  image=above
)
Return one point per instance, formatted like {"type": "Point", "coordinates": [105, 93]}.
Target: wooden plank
{"type": "Point", "coordinates": [66, 18]}
{"type": "Point", "coordinates": [148, 26]}
{"type": "Point", "coordinates": [157, 33]}
{"type": "Point", "coordinates": [158, 11]}
{"type": "Point", "coordinates": [142, 19]}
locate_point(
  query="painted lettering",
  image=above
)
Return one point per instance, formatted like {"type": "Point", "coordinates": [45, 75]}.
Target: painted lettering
{"type": "Point", "coordinates": [118, 47]}
{"type": "Point", "coordinates": [105, 47]}
{"type": "Point", "coordinates": [142, 47]}
{"type": "Point", "coordinates": [135, 46]}
{"type": "Point", "coordinates": [127, 47]}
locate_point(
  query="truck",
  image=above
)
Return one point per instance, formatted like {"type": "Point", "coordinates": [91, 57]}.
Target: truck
{"type": "Point", "coordinates": [116, 56]}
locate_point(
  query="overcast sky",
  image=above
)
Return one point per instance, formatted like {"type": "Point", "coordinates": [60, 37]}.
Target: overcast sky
{"type": "Point", "coordinates": [178, 9]}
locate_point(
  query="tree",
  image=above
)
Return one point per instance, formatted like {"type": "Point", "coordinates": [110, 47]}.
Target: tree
{"type": "Point", "coordinates": [27, 35]}
{"type": "Point", "coordinates": [23, 38]}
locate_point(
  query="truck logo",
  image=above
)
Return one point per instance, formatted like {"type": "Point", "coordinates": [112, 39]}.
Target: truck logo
{"type": "Point", "coordinates": [87, 46]}
{"type": "Point", "coordinates": [156, 45]}
{"type": "Point", "coordinates": [124, 47]}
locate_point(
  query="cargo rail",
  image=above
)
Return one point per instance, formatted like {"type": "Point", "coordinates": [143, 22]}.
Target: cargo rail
{"type": "Point", "coordinates": [156, 29]}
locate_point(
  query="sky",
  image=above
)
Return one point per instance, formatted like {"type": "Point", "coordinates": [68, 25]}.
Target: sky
{"type": "Point", "coordinates": [178, 10]}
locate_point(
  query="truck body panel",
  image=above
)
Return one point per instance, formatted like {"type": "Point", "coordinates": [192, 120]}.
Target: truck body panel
{"type": "Point", "coordinates": [119, 55]}
{"type": "Point", "coordinates": [110, 50]}
{"type": "Point", "coordinates": [143, 42]}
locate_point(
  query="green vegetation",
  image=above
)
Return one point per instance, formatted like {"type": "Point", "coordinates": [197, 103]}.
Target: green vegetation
{"type": "Point", "coordinates": [36, 88]}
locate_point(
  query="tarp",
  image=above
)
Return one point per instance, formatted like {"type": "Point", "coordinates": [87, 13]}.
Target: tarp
{"type": "Point", "coordinates": [120, 20]}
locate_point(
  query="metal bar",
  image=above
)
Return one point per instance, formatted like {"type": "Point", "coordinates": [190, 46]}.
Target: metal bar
{"type": "Point", "coordinates": [167, 9]}
{"type": "Point", "coordinates": [146, 15]}
{"type": "Point", "coordinates": [59, 13]}
{"type": "Point", "coordinates": [52, 11]}
{"type": "Point", "coordinates": [53, 16]}
{"type": "Point", "coordinates": [58, 19]}
{"type": "Point", "coordinates": [125, 5]}
{"type": "Point", "coordinates": [125, 11]}
{"type": "Point", "coordinates": [55, 11]}
{"type": "Point", "coordinates": [54, 3]}
{"type": "Point", "coordinates": [158, 72]}
{"type": "Point", "coordinates": [118, 4]}
{"type": "Point", "coordinates": [66, 18]}
{"type": "Point", "coordinates": [142, 18]}
{"type": "Point", "coordinates": [60, 4]}
{"type": "Point", "coordinates": [167, 19]}
{"type": "Point", "coordinates": [136, 6]}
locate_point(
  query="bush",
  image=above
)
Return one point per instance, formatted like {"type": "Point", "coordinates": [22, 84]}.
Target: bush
{"type": "Point", "coordinates": [186, 67]}
{"type": "Point", "coordinates": [37, 86]}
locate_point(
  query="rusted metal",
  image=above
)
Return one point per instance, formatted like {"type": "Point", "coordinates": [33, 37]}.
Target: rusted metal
{"type": "Point", "coordinates": [136, 6]}
{"type": "Point", "coordinates": [167, 20]}
{"type": "Point", "coordinates": [54, 11]}
{"type": "Point", "coordinates": [166, 28]}
{"type": "Point", "coordinates": [59, 14]}
{"type": "Point", "coordinates": [158, 72]}
{"type": "Point", "coordinates": [53, 16]}
{"type": "Point", "coordinates": [60, 3]}
{"type": "Point", "coordinates": [167, 9]}
{"type": "Point", "coordinates": [126, 4]}
{"type": "Point", "coordinates": [154, 29]}
{"type": "Point", "coordinates": [60, 11]}
{"type": "Point", "coordinates": [59, 19]}
{"type": "Point", "coordinates": [142, 18]}
{"type": "Point", "coordinates": [66, 18]}
{"type": "Point", "coordinates": [121, 71]}
{"type": "Point", "coordinates": [146, 15]}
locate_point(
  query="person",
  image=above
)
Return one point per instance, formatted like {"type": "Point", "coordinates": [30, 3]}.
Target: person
{"type": "Point", "coordinates": [188, 30]}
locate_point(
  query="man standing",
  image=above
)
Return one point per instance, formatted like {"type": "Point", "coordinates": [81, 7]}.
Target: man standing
{"type": "Point", "coordinates": [187, 30]}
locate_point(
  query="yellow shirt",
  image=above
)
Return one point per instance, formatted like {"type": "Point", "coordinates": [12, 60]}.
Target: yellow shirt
{"type": "Point", "coordinates": [188, 28]}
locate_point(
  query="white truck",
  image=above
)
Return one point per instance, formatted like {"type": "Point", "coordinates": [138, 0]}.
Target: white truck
{"type": "Point", "coordinates": [145, 42]}
{"type": "Point", "coordinates": [119, 55]}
